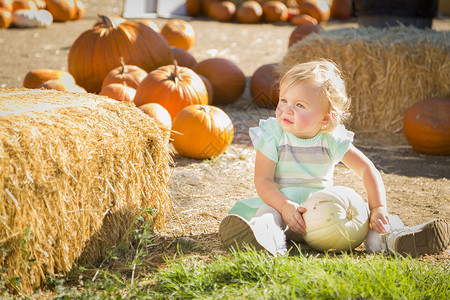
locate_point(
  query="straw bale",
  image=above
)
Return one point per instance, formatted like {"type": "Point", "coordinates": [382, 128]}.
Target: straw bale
{"type": "Point", "coordinates": [386, 70]}
{"type": "Point", "coordinates": [75, 170]}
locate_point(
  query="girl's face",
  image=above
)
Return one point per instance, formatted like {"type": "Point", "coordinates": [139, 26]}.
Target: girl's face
{"type": "Point", "coordinates": [301, 110]}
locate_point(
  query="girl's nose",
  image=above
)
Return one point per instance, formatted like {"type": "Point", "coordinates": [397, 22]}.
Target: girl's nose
{"type": "Point", "coordinates": [289, 110]}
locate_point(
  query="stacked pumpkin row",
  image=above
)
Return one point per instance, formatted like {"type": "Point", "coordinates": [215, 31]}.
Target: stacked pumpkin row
{"type": "Point", "coordinates": [254, 11]}
{"type": "Point", "coordinates": [142, 70]}
{"type": "Point", "coordinates": [39, 13]}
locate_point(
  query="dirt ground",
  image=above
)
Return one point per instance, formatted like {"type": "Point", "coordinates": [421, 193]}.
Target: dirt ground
{"type": "Point", "coordinates": [417, 185]}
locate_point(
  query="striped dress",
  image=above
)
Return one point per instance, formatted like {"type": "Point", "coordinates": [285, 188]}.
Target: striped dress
{"type": "Point", "coordinates": [303, 165]}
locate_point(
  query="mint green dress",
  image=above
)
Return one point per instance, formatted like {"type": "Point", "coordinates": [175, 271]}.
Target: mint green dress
{"type": "Point", "coordinates": [303, 165]}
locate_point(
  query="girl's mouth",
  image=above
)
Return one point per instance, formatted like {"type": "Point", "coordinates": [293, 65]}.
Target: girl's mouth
{"type": "Point", "coordinates": [286, 121]}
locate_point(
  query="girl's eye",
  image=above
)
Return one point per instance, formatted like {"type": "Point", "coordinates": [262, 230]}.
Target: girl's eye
{"type": "Point", "coordinates": [283, 100]}
{"type": "Point", "coordinates": [300, 105]}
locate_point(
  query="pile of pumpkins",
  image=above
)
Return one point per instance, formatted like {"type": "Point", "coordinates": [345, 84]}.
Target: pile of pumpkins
{"type": "Point", "coordinates": [39, 13]}
{"type": "Point", "coordinates": [270, 11]}
{"type": "Point", "coordinates": [142, 67]}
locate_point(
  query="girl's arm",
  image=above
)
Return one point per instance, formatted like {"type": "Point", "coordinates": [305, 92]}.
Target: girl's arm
{"type": "Point", "coordinates": [373, 184]}
{"type": "Point", "coordinates": [270, 194]}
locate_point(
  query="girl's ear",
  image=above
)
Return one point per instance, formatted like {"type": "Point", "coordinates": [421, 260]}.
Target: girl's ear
{"type": "Point", "coordinates": [328, 118]}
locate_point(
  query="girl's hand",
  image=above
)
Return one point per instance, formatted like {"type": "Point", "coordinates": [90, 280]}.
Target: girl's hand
{"type": "Point", "coordinates": [292, 216]}
{"type": "Point", "coordinates": [379, 219]}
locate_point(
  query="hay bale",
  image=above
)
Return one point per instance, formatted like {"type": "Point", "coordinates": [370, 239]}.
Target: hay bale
{"type": "Point", "coordinates": [75, 171]}
{"type": "Point", "coordinates": [386, 70]}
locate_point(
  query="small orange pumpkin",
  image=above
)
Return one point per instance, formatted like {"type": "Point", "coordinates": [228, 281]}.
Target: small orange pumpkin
{"type": "Point", "coordinates": [227, 80]}
{"type": "Point", "coordinates": [319, 10]}
{"type": "Point", "coordinates": [202, 131]}
{"type": "Point", "coordinates": [173, 87]}
{"type": "Point", "coordinates": [60, 85]}
{"type": "Point", "coordinates": [301, 31]}
{"type": "Point", "coordinates": [426, 126]}
{"type": "Point", "coordinates": [6, 4]}
{"type": "Point", "coordinates": [137, 43]}
{"type": "Point", "coordinates": [222, 11]}
{"type": "Point", "coordinates": [249, 12]}
{"type": "Point", "coordinates": [23, 4]}
{"type": "Point", "coordinates": [5, 18]}
{"type": "Point", "coordinates": [160, 115]}
{"type": "Point", "coordinates": [274, 11]}
{"type": "Point", "coordinates": [35, 78]}
{"type": "Point", "coordinates": [193, 7]}
{"type": "Point", "coordinates": [341, 9]}
{"type": "Point", "coordinates": [120, 92]}
{"type": "Point", "coordinates": [80, 10]}
{"type": "Point", "coordinates": [303, 19]}
{"type": "Point", "coordinates": [209, 88]}
{"type": "Point", "coordinates": [149, 23]}
{"type": "Point", "coordinates": [206, 5]}
{"type": "Point", "coordinates": [62, 10]}
{"type": "Point", "coordinates": [179, 33]}
{"type": "Point", "coordinates": [183, 58]}
{"type": "Point", "coordinates": [264, 86]}
{"type": "Point", "coordinates": [129, 74]}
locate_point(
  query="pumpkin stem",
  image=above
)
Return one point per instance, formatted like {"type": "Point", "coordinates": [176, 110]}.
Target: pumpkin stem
{"type": "Point", "coordinates": [175, 76]}
{"type": "Point", "coordinates": [107, 22]}
{"type": "Point", "coordinates": [122, 62]}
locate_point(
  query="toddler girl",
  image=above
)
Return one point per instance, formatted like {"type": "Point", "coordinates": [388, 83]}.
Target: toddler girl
{"type": "Point", "coordinates": [296, 153]}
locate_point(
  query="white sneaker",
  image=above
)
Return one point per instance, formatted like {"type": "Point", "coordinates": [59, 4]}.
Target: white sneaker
{"type": "Point", "coordinates": [262, 233]}
{"type": "Point", "coordinates": [428, 238]}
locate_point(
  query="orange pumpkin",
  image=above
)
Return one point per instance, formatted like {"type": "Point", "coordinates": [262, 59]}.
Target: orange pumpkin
{"type": "Point", "coordinates": [62, 10]}
{"type": "Point", "coordinates": [40, 4]}
{"type": "Point", "coordinates": [249, 12]}
{"type": "Point", "coordinates": [202, 131]}
{"type": "Point", "coordinates": [426, 126]}
{"type": "Point", "coordinates": [293, 11]}
{"type": "Point", "coordinates": [183, 58]}
{"type": "Point", "coordinates": [129, 74]}
{"type": "Point", "coordinates": [227, 80]}
{"type": "Point", "coordinates": [341, 9]}
{"type": "Point", "coordinates": [5, 18]}
{"type": "Point", "coordinates": [319, 10]}
{"type": "Point", "coordinates": [98, 50]}
{"type": "Point", "coordinates": [23, 4]}
{"type": "Point", "coordinates": [301, 31]}
{"type": "Point", "coordinates": [149, 23]}
{"type": "Point", "coordinates": [193, 7]}
{"type": "Point", "coordinates": [60, 85]}
{"type": "Point", "coordinates": [80, 10]}
{"type": "Point", "coordinates": [274, 11]}
{"type": "Point", "coordinates": [303, 19]}
{"type": "Point", "coordinates": [173, 87]}
{"type": "Point", "coordinates": [222, 11]}
{"type": "Point", "coordinates": [35, 78]}
{"type": "Point", "coordinates": [179, 33]}
{"type": "Point", "coordinates": [264, 86]}
{"type": "Point", "coordinates": [159, 114]}
{"type": "Point", "coordinates": [120, 92]}
{"type": "Point", "coordinates": [206, 5]}
{"type": "Point", "coordinates": [209, 88]}
{"type": "Point", "coordinates": [6, 4]}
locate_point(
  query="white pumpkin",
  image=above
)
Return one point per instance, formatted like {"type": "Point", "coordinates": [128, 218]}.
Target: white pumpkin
{"type": "Point", "coordinates": [32, 18]}
{"type": "Point", "coordinates": [337, 219]}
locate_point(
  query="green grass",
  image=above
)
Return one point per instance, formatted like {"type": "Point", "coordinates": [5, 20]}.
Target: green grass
{"type": "Point", "coordinates": [254, 275]}
{"type": "Point", "coordinates": [248, 275]}
{"type": "Point", "coordinates": [251, 275]}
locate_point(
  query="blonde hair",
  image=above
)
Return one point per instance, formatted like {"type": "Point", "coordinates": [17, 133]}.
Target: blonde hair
{"type": "Point", "coordinates": [326, 75]}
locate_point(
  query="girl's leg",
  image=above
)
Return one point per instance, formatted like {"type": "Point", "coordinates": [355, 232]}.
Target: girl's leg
{"type": "Point", "coordinates": [428, 238]}
{"type": "Point", "coordinates": [263, 231]}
